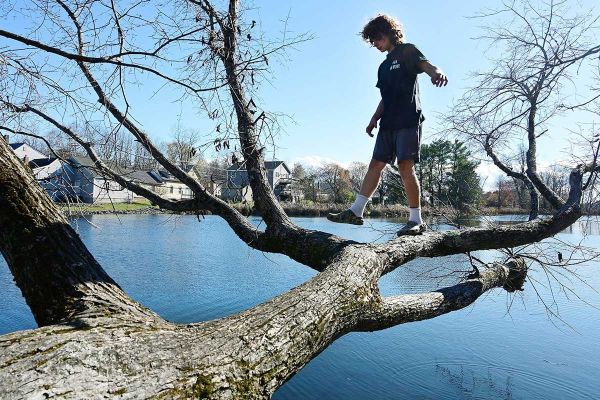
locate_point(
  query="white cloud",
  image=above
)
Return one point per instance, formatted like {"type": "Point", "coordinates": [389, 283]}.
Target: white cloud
{"type": "Point", "coordinates": [489, 174]}
{"type": "Point", "coordinates": [317, 161]}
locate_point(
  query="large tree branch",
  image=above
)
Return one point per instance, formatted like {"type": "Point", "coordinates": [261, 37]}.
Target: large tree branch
{"type": "Point", "coordinates": [249, 354]}
{"type": "Point", "coordinates": [394, 310]}
{"type": "Point", "coordinates": [435, 244]}
{"type": "Point", "coordinates": [113, 59]}
{"type": "Point", "coordinates": [535, 204]}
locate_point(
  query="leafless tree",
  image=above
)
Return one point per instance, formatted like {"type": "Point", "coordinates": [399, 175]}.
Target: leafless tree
{"type": "Point", "coordinates": [554, 177]}
{"type": "Point", "coordinates": [336, 181]}
{"type": "Point", "coordinates": [538, 50]}
{"type": "Point", "coordinates": [142, 159]}
{"type": "Point", "coordinates": [212, 174]}
{"type": "Point", "coordinates": [93, 339]}
{"type": "Point", "coordinates": [307, 181]}
{"type": "Point", "coordinates": [183, 149]}
{"type": "Point", "coordinates": [357, 171]}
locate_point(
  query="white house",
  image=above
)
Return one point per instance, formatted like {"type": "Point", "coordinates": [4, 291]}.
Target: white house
{"type": "Point", "coordinates": [171, 187]}
{"type": "Point", "coordinates": [44, 168]}
{"type": "Point", "coordinates": [25, 152]}
{"type": "Point", "coordinates": [48, 172]}
{"type": "Point", "coordinates": [85, 182]}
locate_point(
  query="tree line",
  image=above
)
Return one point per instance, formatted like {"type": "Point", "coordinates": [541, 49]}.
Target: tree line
{"type": "Point", "coordinates": [446, 172]}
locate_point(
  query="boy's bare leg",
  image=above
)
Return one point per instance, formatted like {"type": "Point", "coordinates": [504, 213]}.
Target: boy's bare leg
{"type": "Point", "coordinates": [411, 183]}
{"type": "Point", "coordinates": [372, 178]}
{"type": "Point", "coordinates": [353, 215]}
{"type": "Point", "coordinates": [368, 187]}
{"type": "Point", "coordinates": [413, 196]}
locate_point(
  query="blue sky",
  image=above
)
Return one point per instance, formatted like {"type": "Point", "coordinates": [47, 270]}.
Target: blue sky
{"type": "Point", "coordinates": [328, 84]}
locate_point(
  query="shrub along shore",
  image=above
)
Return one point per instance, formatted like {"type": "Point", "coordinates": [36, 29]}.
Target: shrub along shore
{"type": "Point", "coordinates": [292, 209]}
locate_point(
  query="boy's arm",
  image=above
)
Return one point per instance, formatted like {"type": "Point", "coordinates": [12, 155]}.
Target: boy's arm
{"type": "Point", "coordinates": [376, 116]}
{"type": "Point", "coordinates": [379, 111]}
{"type": "Point", "coordinates": [438, 78]}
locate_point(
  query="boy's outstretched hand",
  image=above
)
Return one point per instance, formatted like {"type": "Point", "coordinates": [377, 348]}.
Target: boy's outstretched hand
{"type": "Point", "coordinates": [438, 78]}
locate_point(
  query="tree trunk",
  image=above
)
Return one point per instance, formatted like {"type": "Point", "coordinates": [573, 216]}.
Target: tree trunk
{"type": "Point", "coordinates": [57, 275]}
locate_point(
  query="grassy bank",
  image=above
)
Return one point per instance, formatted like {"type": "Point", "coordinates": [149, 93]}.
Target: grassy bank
{"type": "Point", "coordinates": [84, 208]}
{"type": "Point", "coordinates": [292, 209]}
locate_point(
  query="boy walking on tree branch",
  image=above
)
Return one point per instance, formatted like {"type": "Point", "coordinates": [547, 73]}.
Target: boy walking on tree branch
{"type": "Point", "coordinates": [400, 119]}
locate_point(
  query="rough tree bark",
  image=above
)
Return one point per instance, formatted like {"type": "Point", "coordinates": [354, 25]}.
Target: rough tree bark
{"type": "Point", "coordinates": [96, 341]}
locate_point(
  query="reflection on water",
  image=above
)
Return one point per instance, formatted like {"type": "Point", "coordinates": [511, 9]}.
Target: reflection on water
{"type": "Point", "coordinates": [473, 380]}
{"type": "Point", "coordinates": [426, 274]}
{"type": "Point", "coordinates": [502, 347]}
{"type": "Point", "coordinates": [487, 385]}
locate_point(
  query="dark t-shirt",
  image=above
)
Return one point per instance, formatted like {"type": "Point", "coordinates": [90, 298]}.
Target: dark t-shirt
{"type": "Point", "coordinates": [397, 81]}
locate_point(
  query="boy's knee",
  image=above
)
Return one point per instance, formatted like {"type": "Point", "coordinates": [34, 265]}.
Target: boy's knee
{"type": "Point", "coordinates": [376, 165]}
{"type": "Point", "coordinates": [406, 167]}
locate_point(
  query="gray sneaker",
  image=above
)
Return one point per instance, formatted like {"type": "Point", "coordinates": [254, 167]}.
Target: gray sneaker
{"type": "Point", "coordinates": [412, 228]}
{"type": "Point", "coordinates": [345, 217]}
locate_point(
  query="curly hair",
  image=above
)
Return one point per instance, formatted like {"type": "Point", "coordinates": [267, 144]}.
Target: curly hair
{"type": "Point", "coordinates": [383, 25]}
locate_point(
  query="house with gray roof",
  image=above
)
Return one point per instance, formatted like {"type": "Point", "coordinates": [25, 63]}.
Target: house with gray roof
{"type": "Point", "coordinates": [25, 152]}
{"type": "Point", "coordinates": [84, 181]}
{"type": "Point", "coordinates": [237, 186]}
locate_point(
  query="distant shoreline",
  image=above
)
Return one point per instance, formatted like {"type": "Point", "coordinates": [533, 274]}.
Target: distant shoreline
{"type": "Point", "coordinates": [292, 209]}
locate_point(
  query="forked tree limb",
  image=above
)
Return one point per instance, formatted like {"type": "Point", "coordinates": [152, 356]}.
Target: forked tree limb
{"type": "Point", "coordinates": [401, 309]}
{"type": "Point", "coordinates": [103, 342]}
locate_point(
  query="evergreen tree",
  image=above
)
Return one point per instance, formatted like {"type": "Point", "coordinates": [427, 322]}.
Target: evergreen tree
{"type": "Point", "coordinates": [464, 188]}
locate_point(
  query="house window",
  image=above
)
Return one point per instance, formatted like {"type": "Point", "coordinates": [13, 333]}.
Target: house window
{"type": "Point", "coordinates": [170, 189]}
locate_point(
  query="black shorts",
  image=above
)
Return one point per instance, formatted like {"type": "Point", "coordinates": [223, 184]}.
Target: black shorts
{"type": "Point", "coordinates": [400, 144]}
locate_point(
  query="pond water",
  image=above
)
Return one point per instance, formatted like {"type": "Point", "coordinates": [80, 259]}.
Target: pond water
{"type": "Point", "coordinates": [505, 346]}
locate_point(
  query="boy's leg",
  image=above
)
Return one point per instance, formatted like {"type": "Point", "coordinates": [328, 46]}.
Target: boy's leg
{"type": "Point", "coordinates": [368, 187]}
{"type": "Point", "coordinates": [412, 188]}
{"type": "Point", "coordinates": [383, 153]}
{"type": "Point", "coordinates": [408, 146]}
{"type": "Point", "coordinates": [354, 214]}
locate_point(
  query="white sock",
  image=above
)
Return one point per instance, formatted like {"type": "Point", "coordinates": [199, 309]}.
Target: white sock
{"type": "Point", "coordinates": [358, 208]}
{"type": "Point", "coordinates": [415, 215]}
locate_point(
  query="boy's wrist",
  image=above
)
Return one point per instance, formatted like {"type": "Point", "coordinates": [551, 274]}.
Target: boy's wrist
{"type": "Point", "coordinates": [436, 71]}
